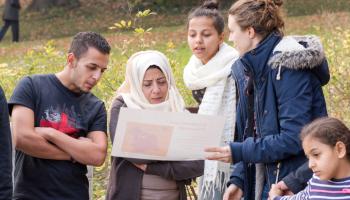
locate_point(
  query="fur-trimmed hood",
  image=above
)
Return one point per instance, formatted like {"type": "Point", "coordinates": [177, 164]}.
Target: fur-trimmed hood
{"type": "Point", "coordinates": [300, 53]}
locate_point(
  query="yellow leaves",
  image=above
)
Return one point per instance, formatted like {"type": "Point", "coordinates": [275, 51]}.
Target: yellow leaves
{"type": "Point", "coordinates": [141, 31]}
{"type": "Point", "coordinates": [49, 48]}
{"type": "Point", "coordinates": [135, 25]}
{"type": "Point", "coordinates": [121, 25]}
{"type": "Point", "coordinates": [145, 13]}
{"type": "Point", "coordinates": [170, 45]}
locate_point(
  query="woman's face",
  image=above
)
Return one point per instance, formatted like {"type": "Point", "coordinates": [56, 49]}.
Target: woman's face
{"type": "Point", "coordinates": [155, 86]}
{"type": "Point", "coordinates": [242, 39]}
{"type": "Point", "coordinates": [203, 39]}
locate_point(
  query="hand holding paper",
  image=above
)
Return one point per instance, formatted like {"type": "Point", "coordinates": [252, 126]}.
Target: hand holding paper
{"type": "Point", "coordinates": [143, 167]}
{"type": "Point", "coordinates": [222, 154]}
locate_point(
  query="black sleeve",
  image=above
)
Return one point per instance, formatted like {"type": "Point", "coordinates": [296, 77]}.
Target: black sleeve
{"type": "Point", "coordinates": [177, 170]}
{"type": "Point", "coordinates": [23, 94]}
{"type": "Point", "coordinates": [297, 180]}
{"type": "Point", "coordinates": [114, 115]}
{"type": "Point", "coordinates": [100, 119]}
{"type": "Point", "coordinates": [5, 150]}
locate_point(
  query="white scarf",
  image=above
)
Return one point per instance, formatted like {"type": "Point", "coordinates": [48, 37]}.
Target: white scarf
{"type": "Point", "coordinates": [131, 89]}
{"type": "Point", "coordinates": [219, 99]}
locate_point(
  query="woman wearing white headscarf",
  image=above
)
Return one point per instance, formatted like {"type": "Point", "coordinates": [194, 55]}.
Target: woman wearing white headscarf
{"type": "Point", "coordinates": [149, 84]}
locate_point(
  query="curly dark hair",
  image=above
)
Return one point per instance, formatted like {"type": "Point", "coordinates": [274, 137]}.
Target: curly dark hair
{"type": "Point", "coordinates": [329, 131]}
{"type": "Point", "coordinates": [83, 40]}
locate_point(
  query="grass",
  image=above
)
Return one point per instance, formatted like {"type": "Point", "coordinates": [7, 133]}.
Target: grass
{"type": "Point", "coordinates": [46, 40]}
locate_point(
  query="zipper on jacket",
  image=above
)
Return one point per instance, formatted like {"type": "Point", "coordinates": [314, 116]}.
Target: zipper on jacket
{"type": "Point", "coordinates": [278, 172]}
{"type": "Point", "coordinates": [239, 102]}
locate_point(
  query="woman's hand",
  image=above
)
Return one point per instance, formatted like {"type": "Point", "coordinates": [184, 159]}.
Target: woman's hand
{"type": "Point", "coordinates": [143, 167]}
{"type": "Point", "coordinates": [222, 154]}
{"type": "Point", "coordinates": [233, 193]}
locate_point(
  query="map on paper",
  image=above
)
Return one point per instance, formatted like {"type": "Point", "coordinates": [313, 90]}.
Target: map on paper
{"type": "Point", "coordinates": [172, 136]}
{"type": "Point", "coordinates": [143, 139]}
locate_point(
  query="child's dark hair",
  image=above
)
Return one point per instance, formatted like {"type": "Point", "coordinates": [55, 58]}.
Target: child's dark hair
{"type": "Point", "coordinates": [329, 131]}
{"type": "Point", "coordinates": [83, 40]}
{"type": "Point", "coordinates": [209, 9]}
{"type": "Point", "coordinates": [263, 15]}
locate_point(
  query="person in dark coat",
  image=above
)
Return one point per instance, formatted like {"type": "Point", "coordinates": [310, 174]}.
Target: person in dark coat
{"type": "Point", "coordinates": [5, 150]}
{"type": "Point", "coordinates": [11, 18]}
{"type": "Point", "coordinates": [279, 81]}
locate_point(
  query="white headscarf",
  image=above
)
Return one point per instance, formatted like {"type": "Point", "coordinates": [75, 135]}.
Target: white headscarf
{"type": "Point", "coordinates": [131, 89]}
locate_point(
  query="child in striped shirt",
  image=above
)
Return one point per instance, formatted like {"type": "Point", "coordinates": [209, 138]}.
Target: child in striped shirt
{"type": "Point", "coordinates": [326, 142]}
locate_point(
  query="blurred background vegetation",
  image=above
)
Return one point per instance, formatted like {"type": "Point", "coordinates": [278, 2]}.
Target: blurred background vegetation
{"type": "Point", "coordinates": [46, 30]}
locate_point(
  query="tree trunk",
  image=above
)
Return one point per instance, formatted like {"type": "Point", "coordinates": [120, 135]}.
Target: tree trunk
{"type": "Point", "coordinates": [41, 5]}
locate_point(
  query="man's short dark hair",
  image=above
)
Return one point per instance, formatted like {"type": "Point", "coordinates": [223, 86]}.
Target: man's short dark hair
{"type": "Point", "coordinates": [83, 40]}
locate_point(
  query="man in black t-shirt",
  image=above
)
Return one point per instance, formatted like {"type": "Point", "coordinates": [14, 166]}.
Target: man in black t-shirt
{"type": "Point", "coordinates": [59, 126]}
{"type": "Point", "coordinates": [5, 150]}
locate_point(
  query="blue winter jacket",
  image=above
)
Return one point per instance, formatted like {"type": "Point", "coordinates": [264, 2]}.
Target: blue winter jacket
{"type": "Point", "coordinates": [287, 75]}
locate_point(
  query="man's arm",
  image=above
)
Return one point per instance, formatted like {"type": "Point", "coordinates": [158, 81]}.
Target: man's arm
{"type": "Point", "coordinates": [30, 142]}
{"type": "Point", "coordinates": [91, 151]}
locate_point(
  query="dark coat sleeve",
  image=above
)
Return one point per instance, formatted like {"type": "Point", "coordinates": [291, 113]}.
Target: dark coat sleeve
{"type": "Point", "coordinates": [237, 176]}
{"type": "Point", "coordinates": [294, 96]}
{"type": "Point", "coordinates": [176, 170]}
{"type": "Point", "coordinates": [117, 104]}
{"type": "Point", "coordinates": [297, 180]}
{"type": "Point", "coordinates": [5, 150]}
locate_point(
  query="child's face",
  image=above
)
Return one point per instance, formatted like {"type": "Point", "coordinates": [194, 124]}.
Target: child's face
{"type": "Point", "coordinates": [324, 160]}
{"type": "Point", "coordinates": [203, 39]}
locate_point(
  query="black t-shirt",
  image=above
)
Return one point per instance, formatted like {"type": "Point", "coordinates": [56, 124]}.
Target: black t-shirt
{"type": "Point", "coordinates": [55, 106]}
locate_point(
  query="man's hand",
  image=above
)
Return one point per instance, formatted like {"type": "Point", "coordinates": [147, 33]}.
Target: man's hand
{"type": "Point", "coordinates": [222, 154]}
{"type": "Point", "coordinates": [233, 193]}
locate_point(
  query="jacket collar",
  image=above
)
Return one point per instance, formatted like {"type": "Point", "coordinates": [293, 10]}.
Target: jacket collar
{"type": "Point", "coordinates": [255, 61]}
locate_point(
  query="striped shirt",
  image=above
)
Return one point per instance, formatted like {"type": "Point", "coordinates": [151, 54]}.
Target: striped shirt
{"type": "Point", "coordinates": [319, 190]}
